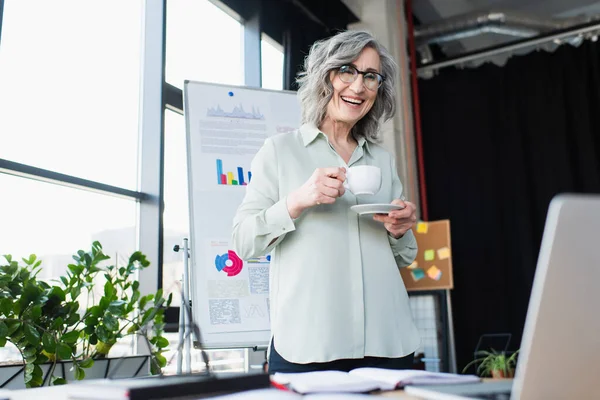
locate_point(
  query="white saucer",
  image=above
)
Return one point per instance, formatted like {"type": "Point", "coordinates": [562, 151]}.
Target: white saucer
{"type": "Point", "coordinates": [363, 209]}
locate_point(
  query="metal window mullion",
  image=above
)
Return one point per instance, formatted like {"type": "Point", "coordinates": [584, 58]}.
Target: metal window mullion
{"type": "Point", "coordinates": [44, 175]}
{"type": "Point", "coordinates": [151, 126]}
{"type": "Point", "coordinates": [1, 18]}
{"type": "Point", "coordinates": [252, 48]}
{"type": "Point", "coordinates": [173, 98]}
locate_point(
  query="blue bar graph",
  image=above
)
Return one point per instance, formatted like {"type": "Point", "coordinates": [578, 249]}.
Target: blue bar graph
{"type": "Point", "coordinates": [219, 171]}
{"type": "Point", "coordinates": [240, 175]}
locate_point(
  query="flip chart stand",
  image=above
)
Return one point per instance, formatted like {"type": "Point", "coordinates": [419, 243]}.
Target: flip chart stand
{"type": "Point", "coordinates": [184, 348]}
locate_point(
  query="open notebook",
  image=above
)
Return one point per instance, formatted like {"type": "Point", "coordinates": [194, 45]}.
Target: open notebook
{"type": "Point", "coordinates": [363, 380]}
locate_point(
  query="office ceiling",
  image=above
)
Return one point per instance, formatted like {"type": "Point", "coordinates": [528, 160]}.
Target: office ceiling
{"type": "Point", "coordinates": [435, 11]}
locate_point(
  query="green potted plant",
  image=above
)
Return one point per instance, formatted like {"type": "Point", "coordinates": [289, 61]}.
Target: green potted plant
{"type": "Point", "coordinates": [66, 320]}
{"type": "Point", "coordinates": [495, 364]}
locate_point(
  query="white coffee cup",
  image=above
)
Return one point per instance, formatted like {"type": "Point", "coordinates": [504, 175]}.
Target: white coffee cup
{"type": "Point", "coordinates": [363, 179]}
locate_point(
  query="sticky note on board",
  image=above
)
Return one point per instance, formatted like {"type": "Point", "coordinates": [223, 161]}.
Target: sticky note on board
{"type": "Point", "coordinates": [417, 274]}
{"type": "Point", "coordinates": [443, 253]}
{"type": "Point", "coordinates": [434, 273]}
{"type": "Point", "coordinates": [429, 255]}
{"type": "Point", "coordinates": [414, 265]}
{"type": "Point", "coordinates": [422, 227]}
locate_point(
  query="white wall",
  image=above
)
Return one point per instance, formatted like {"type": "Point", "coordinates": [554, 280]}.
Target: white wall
{"type": "Point", "coordinates": [382, 18]}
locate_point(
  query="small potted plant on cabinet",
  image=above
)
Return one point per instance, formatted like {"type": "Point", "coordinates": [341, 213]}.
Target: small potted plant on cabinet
{"type": "Point", "coordinates": [54, 324]}
{"type": "Point", "coordinates": [495, 364]}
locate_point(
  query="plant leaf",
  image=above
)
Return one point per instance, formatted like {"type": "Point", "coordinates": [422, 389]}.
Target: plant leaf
{"type": "Point", "coordinates": [29, 353]}
{"type": "Point", "coordinates": [116, 307]}
{"type": "Point", "coordinates": [75, 269]}
{"type": "Point", "coordinates": [58, 323]}
{"type": "Point", "coordinates": [162, 361]}
{"type": "Point", "coordinates": [3, 330]}
{"type": "Point", "coordinates": [109, 290]}
{"type": "Point", "coordinates": [41, 359]}
{"type": "Point", "coordinates": [70, 337]}
{"type": "Point", "coordinates": [102, 333]}
{"type": "Point", "coordinates": [30, 260]}
{"type": "Point", "coordinates": [162, 342]}
{"type": "Point", "coordinates": [28, 374]}
{"type": "Point", "coordinates": [64, 351]}
{"type": "Point", "coordinates": [13, 326]}
{"type": "Point", "coordinates": [143, 302]}
{"type": "Point", "coordinates": [95, 311]}
{"type": "Point", "coordinates": [30, 294]}
{"type": "Point", "coordinates": [87, 363]}
{"type": "Point", "coordinates": [56, 380]}
{"type": "Point", "coordinates": [6, 306]}
{"type": "Point", "coordinates": [79, 373]}
{"type": "Point", "coordinates": [135, 296]}
{"type": "Point", "coordinates": [37, 376]}
{"type": "Point", "coordinates": [111, 322]}
{"type": "Point", "coordinates": [75, 292]}
{"type": "Point", "coordinates": [31, 334]}
{"type": "Point", "coordinates": [73, 319]}
{"type": "Point", "coordinates": [58, 292]}
{"type": "Point", "coordinates": [36, 312]}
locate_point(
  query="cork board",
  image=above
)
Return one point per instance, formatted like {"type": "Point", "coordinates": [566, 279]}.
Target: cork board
{"type": "Point", "coordinates": [432, 269]}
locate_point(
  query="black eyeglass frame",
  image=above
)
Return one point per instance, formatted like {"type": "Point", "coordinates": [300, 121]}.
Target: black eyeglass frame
{"type": "Point", "coordinates": [380, 77]}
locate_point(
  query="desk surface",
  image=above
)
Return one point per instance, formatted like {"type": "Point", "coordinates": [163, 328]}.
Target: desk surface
{"type": "Point", "coordinates": [59, 393]}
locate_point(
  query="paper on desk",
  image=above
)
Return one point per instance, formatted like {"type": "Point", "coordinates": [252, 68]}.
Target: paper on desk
{"type": "Point", "coordinates": [330, 381]}
{"type": "Point", "coordinates": [363, 380]}
{"type": "Point", "coordinates": [337, 396]}
{"type": "Point", "coordinates": [277, 394]}
{"type": "Point", "coordinates": [261, 394]}
{"type": "Point", "coordinates": [403, 377]}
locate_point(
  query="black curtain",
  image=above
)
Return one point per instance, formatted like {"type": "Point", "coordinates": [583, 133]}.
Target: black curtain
{"type": "Point", "coordinates": [499, 143]}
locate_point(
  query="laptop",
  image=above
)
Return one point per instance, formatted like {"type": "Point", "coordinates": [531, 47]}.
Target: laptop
{"type": "Point", "coordinates": [560, 347]}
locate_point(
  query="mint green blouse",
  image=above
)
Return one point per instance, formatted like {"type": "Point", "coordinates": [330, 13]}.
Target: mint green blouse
{"type": "Point", "coordinates": [335, 288]}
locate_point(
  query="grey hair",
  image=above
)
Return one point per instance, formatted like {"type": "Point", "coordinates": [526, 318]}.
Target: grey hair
{"type": "Point", "coordinates": [315, 88]}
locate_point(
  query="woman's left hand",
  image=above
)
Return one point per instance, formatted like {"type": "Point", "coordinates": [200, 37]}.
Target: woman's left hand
{"type": "Point", "coordinates": [398, 222]}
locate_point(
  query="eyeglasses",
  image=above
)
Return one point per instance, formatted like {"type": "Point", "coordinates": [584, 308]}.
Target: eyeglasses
{"type": "Point", "coordinates": [371, 80]}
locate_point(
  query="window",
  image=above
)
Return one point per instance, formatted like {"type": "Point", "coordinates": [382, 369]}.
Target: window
{"type": "Point", "coordinates": [54, 222]}
{"type": "Point", "coordinates": [69, 87]}
{"type": "Point", "coordinates": [176, 215]}
{"type": "Point", "coordinates": [426, 310]}
{"type": "Point", "coordinates": [204, 43]}
{"type": "Point", "coordinates": [272, 63]}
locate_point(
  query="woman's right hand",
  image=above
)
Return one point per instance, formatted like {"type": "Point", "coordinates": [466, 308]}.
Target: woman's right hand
{"type": "Point", "coordinates": [323, 187]}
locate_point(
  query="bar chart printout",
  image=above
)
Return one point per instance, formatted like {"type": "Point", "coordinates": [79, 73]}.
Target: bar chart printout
{"type": "Point", "coordinates": [235, 178]}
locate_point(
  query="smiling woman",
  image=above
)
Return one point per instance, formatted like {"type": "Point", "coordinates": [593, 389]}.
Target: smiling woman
{"type": "Point", "coordinates": [337, 298]}
{"type": "Point", "coordinates": [353, 93]}
{"type": "Point", "coordinates": [317, 81]}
